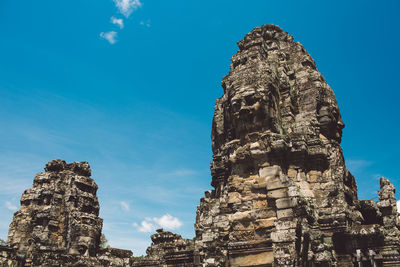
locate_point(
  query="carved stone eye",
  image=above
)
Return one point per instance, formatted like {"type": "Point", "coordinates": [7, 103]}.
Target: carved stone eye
{"type": "Point", "coordinates": [250, 100]}
{"type": "Point", "coordinates": [236, 106]}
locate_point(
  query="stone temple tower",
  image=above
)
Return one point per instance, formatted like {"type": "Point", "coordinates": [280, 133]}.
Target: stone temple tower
{"type": "Point", "coordinates": [58, 223]}
{"type": "Point", "coordinates": [59, 212]}
{"type": "Point", "coordinates": [282, 194]}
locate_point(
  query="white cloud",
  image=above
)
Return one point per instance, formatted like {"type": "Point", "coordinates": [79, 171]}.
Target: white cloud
{"type": "Point", "coordinates": [398, 206]}
{"type": "Point", "coordinates": [145, 226]}
{"type": "Point", "coordinates": [109, 36]}
{"type": "Point", "coordinates": [10, 206]}
{"type": "Point", "coordinates": [169, 222]}
{"type": "Point", "coordinates": [119, 22]}
{"type": "Point", "coordinates": [126, 7]}
{"type": "Point", "coordinates": [125, 206]}
{"type": "Point", "coordinates": [150, 224]}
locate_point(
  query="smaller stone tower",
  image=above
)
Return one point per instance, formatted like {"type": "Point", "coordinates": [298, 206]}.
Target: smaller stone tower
{"type": "Point", "coordinates": [58, 223]}
{"type": "Point", "coordinates": [60, 211]}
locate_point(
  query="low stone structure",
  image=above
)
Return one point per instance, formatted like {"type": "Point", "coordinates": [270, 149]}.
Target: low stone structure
{"type": "Point", "coordinates": [168, 249]}
{"type": "Point", "coordinates": [58, 222]}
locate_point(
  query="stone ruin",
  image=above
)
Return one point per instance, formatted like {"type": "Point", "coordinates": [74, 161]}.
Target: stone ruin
{"type": "Point", "coordinates": [168, 249]}
{"type": "Point", "coordinates": [58, 223]}
{"type": "Point", "coordinates": [282, 194]}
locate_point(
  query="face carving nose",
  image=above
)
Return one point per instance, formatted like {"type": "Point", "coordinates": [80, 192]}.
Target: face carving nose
{"type": "Point", "coordinates": [244, 112]}
{"type": "Point", "coordinates": [340, 124]}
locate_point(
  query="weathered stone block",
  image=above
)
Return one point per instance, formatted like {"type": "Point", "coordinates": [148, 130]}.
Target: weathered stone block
{"type": "Point", "coordinates": [259, 259]}
{"type": "Point", "coordinates": [234, 197]}
{"type": "Point", "coordinates": [260, 204]}
{"type": "Point", "coordinates": [240, 216]}
{"type": "Point", "coordinates": [284, 213]}
{"type": "Point", "coordinates": [284, 203]}
{"type": "Point", "coordinates": [265, 223]}
{"type": "Point", "coordinates": [277, 193]}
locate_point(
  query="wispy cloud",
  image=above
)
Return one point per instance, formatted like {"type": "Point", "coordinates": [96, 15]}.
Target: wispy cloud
{"type": "Point", "coordinates": [357, 165]}
{"type": "Point", "coordinates": [17, 171]}
{"type": "Point", "coordinates": [166, 221]}
{"type": "Point", "coordinates": [10, 206]}
{"type": "Point", "coordinates": [125, 206]}
{"type": "Point", "coordinates": [119, 22]}
{"type": "Point", "coordinates": [13, 187]}
{"type": "Point", "coordinates": [182, 172]}
{"type": "Point", "coordinates": [377, 176]}
{"type": "Point", "coordinates": [109, 36]}
{"type": "Point", "coordinates": [126, 7]}
{"type": "Point", "coordinates": [145, 23]}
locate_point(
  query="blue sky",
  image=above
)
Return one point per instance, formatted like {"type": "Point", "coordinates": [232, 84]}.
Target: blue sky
{"type": "Point", "coordinates": [130, 87]}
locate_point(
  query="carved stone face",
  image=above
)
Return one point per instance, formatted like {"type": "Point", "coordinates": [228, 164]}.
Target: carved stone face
{"type": "Point", "coordinates": [85, 246]}
{"type": "Point", "coordinates": [252, 112]}
{"type": "Point", "coordinates": [331, 124]}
